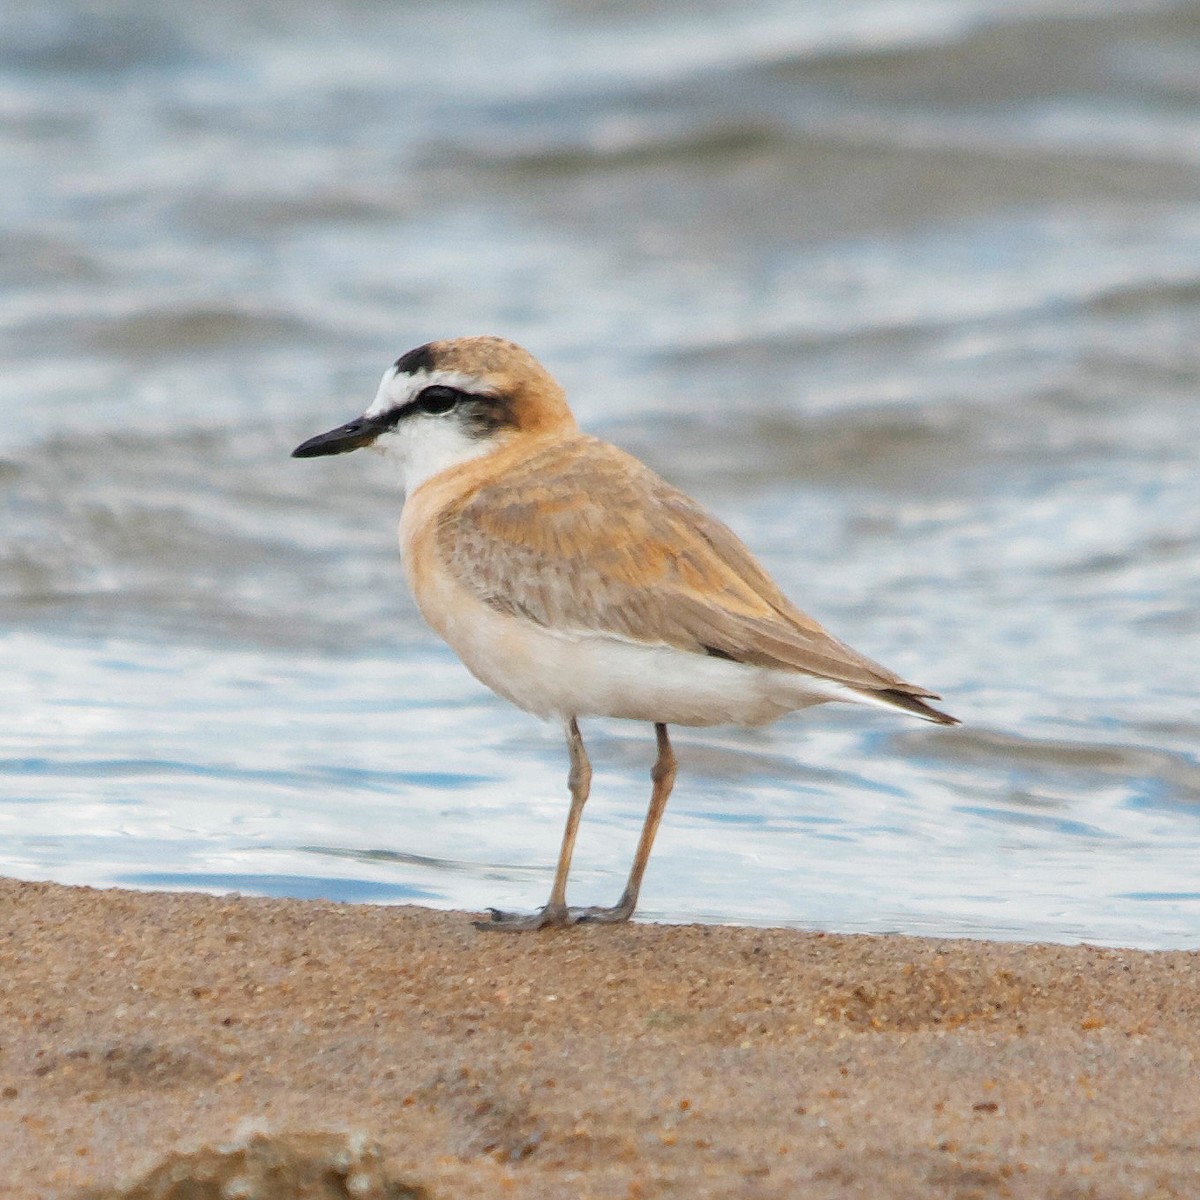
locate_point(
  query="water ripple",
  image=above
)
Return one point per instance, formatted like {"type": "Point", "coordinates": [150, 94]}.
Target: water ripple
{"type": "Point", "coordinates": [906, 293]}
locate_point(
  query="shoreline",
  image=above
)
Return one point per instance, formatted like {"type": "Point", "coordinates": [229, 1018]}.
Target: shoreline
{"type": "Point", "coordinates": [397, 1047]}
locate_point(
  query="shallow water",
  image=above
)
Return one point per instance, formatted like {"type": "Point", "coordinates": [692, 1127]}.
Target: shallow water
{"type": "Point", "coordinates": [908, 293]}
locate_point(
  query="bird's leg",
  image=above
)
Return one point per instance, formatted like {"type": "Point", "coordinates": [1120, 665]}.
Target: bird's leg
{"type": "Point", "coordinates": [556, 912]}
{"type": "Point", "coordinates": [663, 776]}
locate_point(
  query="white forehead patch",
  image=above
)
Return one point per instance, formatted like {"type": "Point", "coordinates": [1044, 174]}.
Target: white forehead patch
{"type": "Point", "coordinates": [397, 388]}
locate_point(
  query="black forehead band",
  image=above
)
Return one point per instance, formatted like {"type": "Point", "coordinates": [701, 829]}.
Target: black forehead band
{"type": "Point", "coordinates": [420, 359]}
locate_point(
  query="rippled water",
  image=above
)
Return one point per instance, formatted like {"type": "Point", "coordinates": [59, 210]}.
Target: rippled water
{"type": "Point", "coordinates": [909, 293]}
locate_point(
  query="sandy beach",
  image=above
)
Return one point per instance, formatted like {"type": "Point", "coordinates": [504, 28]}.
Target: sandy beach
{"type": "Point", "coordinates": [186, 1045]}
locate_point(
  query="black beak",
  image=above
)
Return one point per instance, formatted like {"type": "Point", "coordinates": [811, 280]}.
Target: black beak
{"type": "Point", "coordinates": [362, 431]}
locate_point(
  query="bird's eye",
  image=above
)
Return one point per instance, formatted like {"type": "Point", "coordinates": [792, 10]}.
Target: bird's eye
{"type": "Point", "coordinates": [438, 399]}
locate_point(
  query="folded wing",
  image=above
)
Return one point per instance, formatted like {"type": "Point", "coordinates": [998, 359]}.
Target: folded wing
{"type": "Point", "coordinates": [583, 538]}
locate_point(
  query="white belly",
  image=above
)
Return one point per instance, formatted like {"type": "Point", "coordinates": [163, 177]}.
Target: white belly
{"type": "Point", "coordinates": [567, 675]}
{"type": "Point", "coordinates": [601, 677]}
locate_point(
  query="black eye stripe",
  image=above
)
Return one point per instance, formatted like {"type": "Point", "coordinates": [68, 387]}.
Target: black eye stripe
{"type": "Point", "coordinates": [440, 399]}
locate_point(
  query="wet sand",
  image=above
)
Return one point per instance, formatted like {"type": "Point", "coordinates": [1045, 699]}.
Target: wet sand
{"type": "Point", "coordinates": [179, 1044]}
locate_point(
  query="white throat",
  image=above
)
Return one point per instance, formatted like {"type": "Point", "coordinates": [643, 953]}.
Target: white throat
{"type": "Point", "coordinates": [423, 447]}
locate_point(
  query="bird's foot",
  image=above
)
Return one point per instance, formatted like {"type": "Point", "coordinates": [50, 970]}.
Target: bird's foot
{"type": "Point", "coordinates": [602, 916]}
{"type": "Point", "coordinates": [553, 917]}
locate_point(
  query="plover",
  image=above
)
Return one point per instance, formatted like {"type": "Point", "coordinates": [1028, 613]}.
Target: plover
{"type": "Point", "coordinates": [575, 582]}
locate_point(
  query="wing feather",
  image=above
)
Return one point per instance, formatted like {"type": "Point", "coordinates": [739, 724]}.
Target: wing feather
{"type": "Point", "coordinates": [584, 538]}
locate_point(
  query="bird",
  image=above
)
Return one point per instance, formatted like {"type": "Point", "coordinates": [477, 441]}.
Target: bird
{"type": "Point", "coordinates": [575, 582]}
